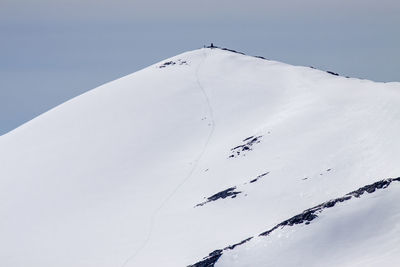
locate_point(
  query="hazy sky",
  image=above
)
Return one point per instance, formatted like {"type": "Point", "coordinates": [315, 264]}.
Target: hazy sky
{"type": "Point", "coordinates": [53, 50]}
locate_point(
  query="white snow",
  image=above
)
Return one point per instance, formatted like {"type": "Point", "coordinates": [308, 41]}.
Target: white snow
{"type": "Point", "coordinates": [360, 232]}
{"type": "Point", "coordinates": [112, 177]}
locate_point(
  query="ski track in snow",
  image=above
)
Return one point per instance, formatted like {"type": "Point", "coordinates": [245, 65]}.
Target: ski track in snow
{"type": "Point", "coordinates": [196, 162]}
{"type": "Point", "coordinates": [321, 122]}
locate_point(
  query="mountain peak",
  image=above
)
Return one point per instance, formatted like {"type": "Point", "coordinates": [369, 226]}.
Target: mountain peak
{"type": "Point", "coordinates": [196, 152]}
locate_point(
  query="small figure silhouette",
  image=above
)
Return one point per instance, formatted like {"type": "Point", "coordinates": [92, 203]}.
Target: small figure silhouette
{"type": "Point", "coordinates": [212, 45]}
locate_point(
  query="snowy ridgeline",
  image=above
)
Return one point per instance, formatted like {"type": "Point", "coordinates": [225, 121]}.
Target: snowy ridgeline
{"type": "Point", "coordinates": [203, 150]}
{"type": "Point", "coordinates": [235, 258]}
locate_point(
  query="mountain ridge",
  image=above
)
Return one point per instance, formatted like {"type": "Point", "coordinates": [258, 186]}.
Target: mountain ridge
{"type": "Point", "coordinates": [113, 177]}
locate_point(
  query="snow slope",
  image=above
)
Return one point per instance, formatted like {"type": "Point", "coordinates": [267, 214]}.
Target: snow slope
{"type": "Point", "coordinates": [363, 232]}
{"type": "Point", "coordinates": [114, 177]}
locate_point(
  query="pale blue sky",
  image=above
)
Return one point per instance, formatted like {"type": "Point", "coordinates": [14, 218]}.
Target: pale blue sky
{"type": "Point", "coordinates": [51, 51]}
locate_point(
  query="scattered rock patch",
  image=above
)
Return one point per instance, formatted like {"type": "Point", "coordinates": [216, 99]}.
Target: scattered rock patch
{"type": "Point", "coordinates": [171, 63]}
{"type": "Point", "coordinates": [230, 192]}
{"type": "Point", "coordinates": [249, 142]}
{"type": "Point", "coordinates": [258, 177]}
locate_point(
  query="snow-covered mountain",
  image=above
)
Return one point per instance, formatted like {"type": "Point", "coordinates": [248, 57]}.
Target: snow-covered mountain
{"type": "Point", "coordinates": [209, 158]}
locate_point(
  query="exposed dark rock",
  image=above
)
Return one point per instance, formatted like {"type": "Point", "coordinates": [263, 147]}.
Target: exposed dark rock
{"type": "Point", "coordinates": [238, 244]}
{"type": "Point", "coordinates": [249, 142]}
{"type": "Point", "coordinates": [231, 50]}
{"type": "Point", "coordinates": [307, 215]}
{"type": "Point", "coordinates": [214, 256]}
{"type": "Point", "coordinates": [311, 214]}
{"type": "Point", "coordinates": [230, 192]}
{"type": "Point", "coordinates": [333, 73]}
{"type": "Point", "coordinates": [261, 57]}
{"type": "Point", "coordinates": [258, 177]}
{"type": "Point", "coordinates": [168, 63]}
{"type": "Point", "coordinates": [248, 138]}
{"type": "Point", "coordinates": [224, 194]}
{"type": "Point", "coordinates": [372, 187]}
{"type": "Point", "coordinates": [210, 260]}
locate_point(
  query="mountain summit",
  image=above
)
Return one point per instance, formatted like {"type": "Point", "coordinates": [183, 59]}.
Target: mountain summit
{"type": "Point", "coordinates": [209, 158]}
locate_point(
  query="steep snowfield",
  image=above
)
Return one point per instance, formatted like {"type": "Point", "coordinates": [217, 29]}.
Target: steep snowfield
{"type": "Point", "coordinates": [114, 177]}
{"type": "Point", "coordinates": [362, 232]}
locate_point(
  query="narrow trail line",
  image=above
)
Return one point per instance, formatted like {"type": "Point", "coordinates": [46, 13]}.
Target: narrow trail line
{"type": "Point", "coordinates": [196, 162]}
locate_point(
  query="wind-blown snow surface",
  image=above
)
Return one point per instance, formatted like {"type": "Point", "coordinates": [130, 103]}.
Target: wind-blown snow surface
{"type": "Point", "coordinates": [114, 177]}
{"type": "Point", "coordinates": [362, 232]}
